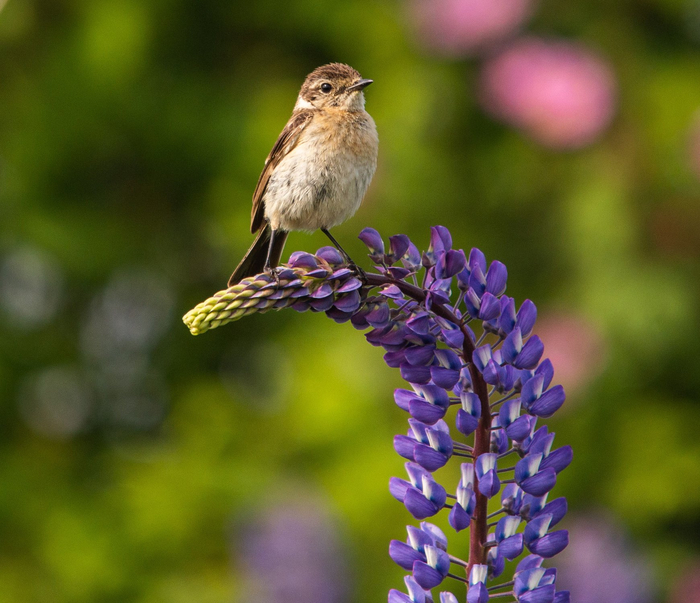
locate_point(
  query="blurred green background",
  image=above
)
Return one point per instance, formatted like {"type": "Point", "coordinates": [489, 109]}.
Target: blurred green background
{"type": "Point", "coordinates": [138, 463]}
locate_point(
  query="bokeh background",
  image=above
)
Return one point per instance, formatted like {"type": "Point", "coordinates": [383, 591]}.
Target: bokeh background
{"type": "Point", "coordinates": [138, 463]}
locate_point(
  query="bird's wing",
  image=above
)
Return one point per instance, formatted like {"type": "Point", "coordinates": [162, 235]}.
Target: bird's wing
{"type": "Point", "coordinates": [286, 142]}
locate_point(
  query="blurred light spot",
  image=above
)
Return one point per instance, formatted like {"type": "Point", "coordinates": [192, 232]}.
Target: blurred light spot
{"type": "Point", "coordinates": [123, 325]}
{"type": "Point", "coordinates": [675, 228]}
{"type": "Point", "coordinates": [561, 94]}
{"type": "Point", "coordinates": [462, 27]}
{"type": "Point", "coordinates": [257, 374]}
{"type": "Point", "coordinates": [31, 287]}
{"type": "Point", "coordinates": [56, 402]}
{"type": "Point", "coordinates": [575, 347]}
{"type": "Point", "coordinates": [116, 38]}
{"type": "Point", "coordinates": [135, 406]}
{"type": "Point", "coordinates": [291, 552]}
{"type": "Point", "coordinates": [600, 566]}
{"type": "Point", "coordinates": [131, 314]}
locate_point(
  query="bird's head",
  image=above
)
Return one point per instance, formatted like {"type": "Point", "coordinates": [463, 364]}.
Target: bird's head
{"type": "Point", "coordinates": [333, 86]}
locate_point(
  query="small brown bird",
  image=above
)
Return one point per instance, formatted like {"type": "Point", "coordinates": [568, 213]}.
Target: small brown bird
{"type": "Point", "coordinates": [318, 170]}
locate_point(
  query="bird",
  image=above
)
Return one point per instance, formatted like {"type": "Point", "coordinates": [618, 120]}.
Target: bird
{"type": "Point", "coordinates": [317, 172]}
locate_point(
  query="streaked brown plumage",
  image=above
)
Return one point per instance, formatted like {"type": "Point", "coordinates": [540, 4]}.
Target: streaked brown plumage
{"type": "Point", "coordinates": [318, 170]}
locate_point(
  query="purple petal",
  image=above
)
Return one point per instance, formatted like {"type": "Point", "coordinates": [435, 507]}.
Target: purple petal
{"type": "Point", "coordinates": [556, 508]}
{"type": "Point", "coordinates": [490, 307]}
{"type": "Point", "coordinates": [373, 240]}
{"type": "Point", "coordinates": [428, 577]}
{"type": "Point", "coordinates": [477, 258]}
{"type": "Point", "coordinates": [511, 547]}
{"type": "Point", "coordinates": [394, 359]}
{"type": "Point", "coordinates": [550, 544]}
{"type": "Point", "coordinates": [398, 245]}
{"type": "Point", "coordinates": [506, 322]}
{"type": "Point", "coordinates": [477, 593]}
{"type": "Point", "coordinates": [338, 315]}
{"type": "Point", "coordinates": [519, 429]}
{"type": "Point", "coordinates": [398, 488]}
{"type": "Point", "coordinates": [453, 338]}
{"type": "Point", "coordinates": [450, 264]}
{"type": "Point", "coordinates": [396, 596]}
{"type": "Point", "coordinates": [496, 278]}
{"type": "Point", "coordinates": [559, 459]}
{"type": "Point", "coordinates": [403, 396]}
{"type": "Point", "coordinates": [425, 411]}
{"type": "Point", "coordinates": [412, 257]}
{"type": "Point", "coordinates": [547, 371]}
{"type": "Point", "coordinates": [378, 316]}
{"type": "Point", "coordinates": [330, 255]}
{"type": "Point", "coordinates": [301, 259]}
{"type": "Point", "coordinates": [440, 239]}
{"type": "Point", "coordinates": [512, 345]}
{"type": "Point", "coordinates": [404, 446]}
{"type": "Point", "coordinates": [444, 377]}
{"type": "Point", "coordinates": [349, 285]}
{"type": "Point", "coordinates": [426, 457]}
{"type": "Point", "coordinates": [489, 484]}
{"type": "Point", "coordinates": [404, 555]}
{"type": "Point", "coordinates": [543, 594]}
{"type": "Point", "coordinates": [550, 401]}
{"type": "Point", "coordinates": [562, 596]}
{"type": "Point", "coordinates": [415, 374]}
{"type": "Point", "coordinates": [418, 505]}
{"type": "Point", "coordinates": [348, 302]}
{"type": "Point", "coordinates": [420, 355]}
{"type": "Point", "coordinates": [419, 323]}
{"type": "Point", "coordinates": [466, 423]}
{"type": "Point", "coordinates": [541, 483]}
{"type": "Point", "coordinates": [527, 315]}
{"type": "Point", "coordinates": [321, 305]}
{"type": "Point", "coordinates": [459, 519]}
{"type": "Point", "coordinates": [481, 356]}
{"type": "Point", "coordinates": [530, 354]}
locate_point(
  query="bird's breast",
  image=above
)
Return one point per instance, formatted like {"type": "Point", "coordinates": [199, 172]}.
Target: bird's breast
{"type": "Point", "coordinates": [321, 182]}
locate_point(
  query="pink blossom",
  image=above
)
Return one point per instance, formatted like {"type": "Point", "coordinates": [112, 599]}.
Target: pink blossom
{"type": "Point", "coordinates": [574, 346]}
{"type": "Point", "coordinates": [560, 93]}
{"type": "Point", "coordinates": [687, 586]}
{"type": "Point", "coordinates": [463, 27]}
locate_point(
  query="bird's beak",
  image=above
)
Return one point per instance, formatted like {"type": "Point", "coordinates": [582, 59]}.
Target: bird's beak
{"type": "Point", "coordinates": [359, 85]}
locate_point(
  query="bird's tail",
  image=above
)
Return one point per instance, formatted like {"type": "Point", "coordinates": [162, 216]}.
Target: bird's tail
{"type": "Point", "coordinates": [253, 261]}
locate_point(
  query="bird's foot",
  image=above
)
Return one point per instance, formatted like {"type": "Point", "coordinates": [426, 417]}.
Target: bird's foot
{"type": "Point", "coordinates": [273, 274]}
{"type": "Point", "coordinates": [357, 270]}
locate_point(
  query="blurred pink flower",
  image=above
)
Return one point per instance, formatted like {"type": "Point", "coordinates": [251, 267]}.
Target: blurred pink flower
{"type": "Point", "coordinates": [575, 348]}
{"type": "Point", "coordinates": [462, 27]}
{"type": "Point", "coordinates": [687, 586]}
{"type": "Point", "coordinates": [562, 94]}
{"type": "Point", "coordinates": [600, 565]}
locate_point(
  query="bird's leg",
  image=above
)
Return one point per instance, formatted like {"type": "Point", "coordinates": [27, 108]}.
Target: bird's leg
{"type": "Point", "coordinates": [347, 258]}
{"type": "Point", "coordinates": [268, 260]}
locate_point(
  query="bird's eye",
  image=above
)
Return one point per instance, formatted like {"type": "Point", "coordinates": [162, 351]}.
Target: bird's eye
{"type": "Point", "coordinates": [326, 88]}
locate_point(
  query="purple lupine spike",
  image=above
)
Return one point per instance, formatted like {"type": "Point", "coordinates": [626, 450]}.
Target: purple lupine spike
{"type": "Point", "coordinates": [500, 390]}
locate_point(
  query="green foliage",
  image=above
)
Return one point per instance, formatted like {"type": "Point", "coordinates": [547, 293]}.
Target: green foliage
{"type": "Point", "coordinates": [131, 137]}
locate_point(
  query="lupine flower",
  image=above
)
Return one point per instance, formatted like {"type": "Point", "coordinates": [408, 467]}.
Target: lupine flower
{"type": "Point", "coordinates": [463, 27]}
{"type": "Point", "coordinates": [291, 552]}
{"type": "Point", "coordinates": [602, 566]}
{"type": "Point", "coordinates": [561, 94]}
{"type": "Point", "coordinates": [499, 383]}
